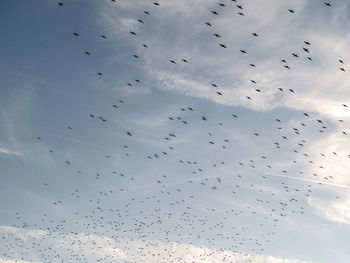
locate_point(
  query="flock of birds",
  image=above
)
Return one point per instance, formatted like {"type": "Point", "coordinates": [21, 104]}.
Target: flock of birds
{"type": "Point", "coordinates": [121, 223]}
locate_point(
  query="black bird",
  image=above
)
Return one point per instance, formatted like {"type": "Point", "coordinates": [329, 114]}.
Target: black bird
{"type": "Point", "coordinates": [327, 4]}
{"type": "Point", "coordinates": [291, 10]}
{"type": "Point", "coordinates": [104, 36]}
{"type": "Point", "coordinates": [76, 34]}
{"type": "Point", "coordinates": [132, 33]}
{"type": "Point", "coordinates": [243, 51]}
{"type": "Point", "coordinates": [307, 42]}
{"type": "Point", "coordinates": [217, 35]}
{"type": "Point", "coordinates": [222, 45]}
{"type": "Point", "coordinates": [146, 12]}
{"type": "Point", "coordinates": [60, 3]}
{"type": "Point", "coordinates": [87, 53]}
{"type": "Point", "coordinates": [139, 20]}
{"type": "Point", "coordinates": [184, 60]}
{"type": "Point", "coordinates": [129, 133]}
{"type": "Point", "coordinates": [156, 3]}
{"type": "Point", "coordinates": [207, 23]}
{"type": "Point", "coordinates": [255, 34]}
{"type": "Point", "coordinates": [172, 61]}
{"type": "Point", "coordinates": [102, 119]}
{"type": "Point", "coordinates": [215, 13]}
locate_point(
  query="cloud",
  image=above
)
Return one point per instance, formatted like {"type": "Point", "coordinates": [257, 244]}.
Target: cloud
{"type": "Point", "coordinates": [102, 248]}
{"type": "Point", "coordinates": [9, 152]}
{"type": "Point", "coordinates": [229, 69]}
{"type": "Point", "coordinates": [335, 170]}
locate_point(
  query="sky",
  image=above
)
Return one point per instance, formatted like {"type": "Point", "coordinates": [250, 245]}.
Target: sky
{"type": "Point", "coordinates": [174, 131]}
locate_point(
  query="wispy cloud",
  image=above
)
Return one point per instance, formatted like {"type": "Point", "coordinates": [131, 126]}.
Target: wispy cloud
{"type": "Point", "coordinates": [9, 152]}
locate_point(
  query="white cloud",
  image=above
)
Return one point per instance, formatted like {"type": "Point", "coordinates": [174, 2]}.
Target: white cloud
{"type": "Point", "coordinates": [103, 248]}
{"type": "Point", "coordinates": [10, 152]}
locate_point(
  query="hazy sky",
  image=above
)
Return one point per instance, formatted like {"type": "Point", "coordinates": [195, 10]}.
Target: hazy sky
{"type": "Point", "coordinates": [239, 148]}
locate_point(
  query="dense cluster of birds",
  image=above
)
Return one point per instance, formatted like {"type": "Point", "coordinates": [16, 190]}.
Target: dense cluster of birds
{"type": "Point", "coordinates": [119, 225]}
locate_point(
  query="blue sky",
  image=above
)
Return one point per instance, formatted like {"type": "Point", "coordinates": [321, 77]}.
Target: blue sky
{"type": "Point", "coordinates": [269, 185]}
